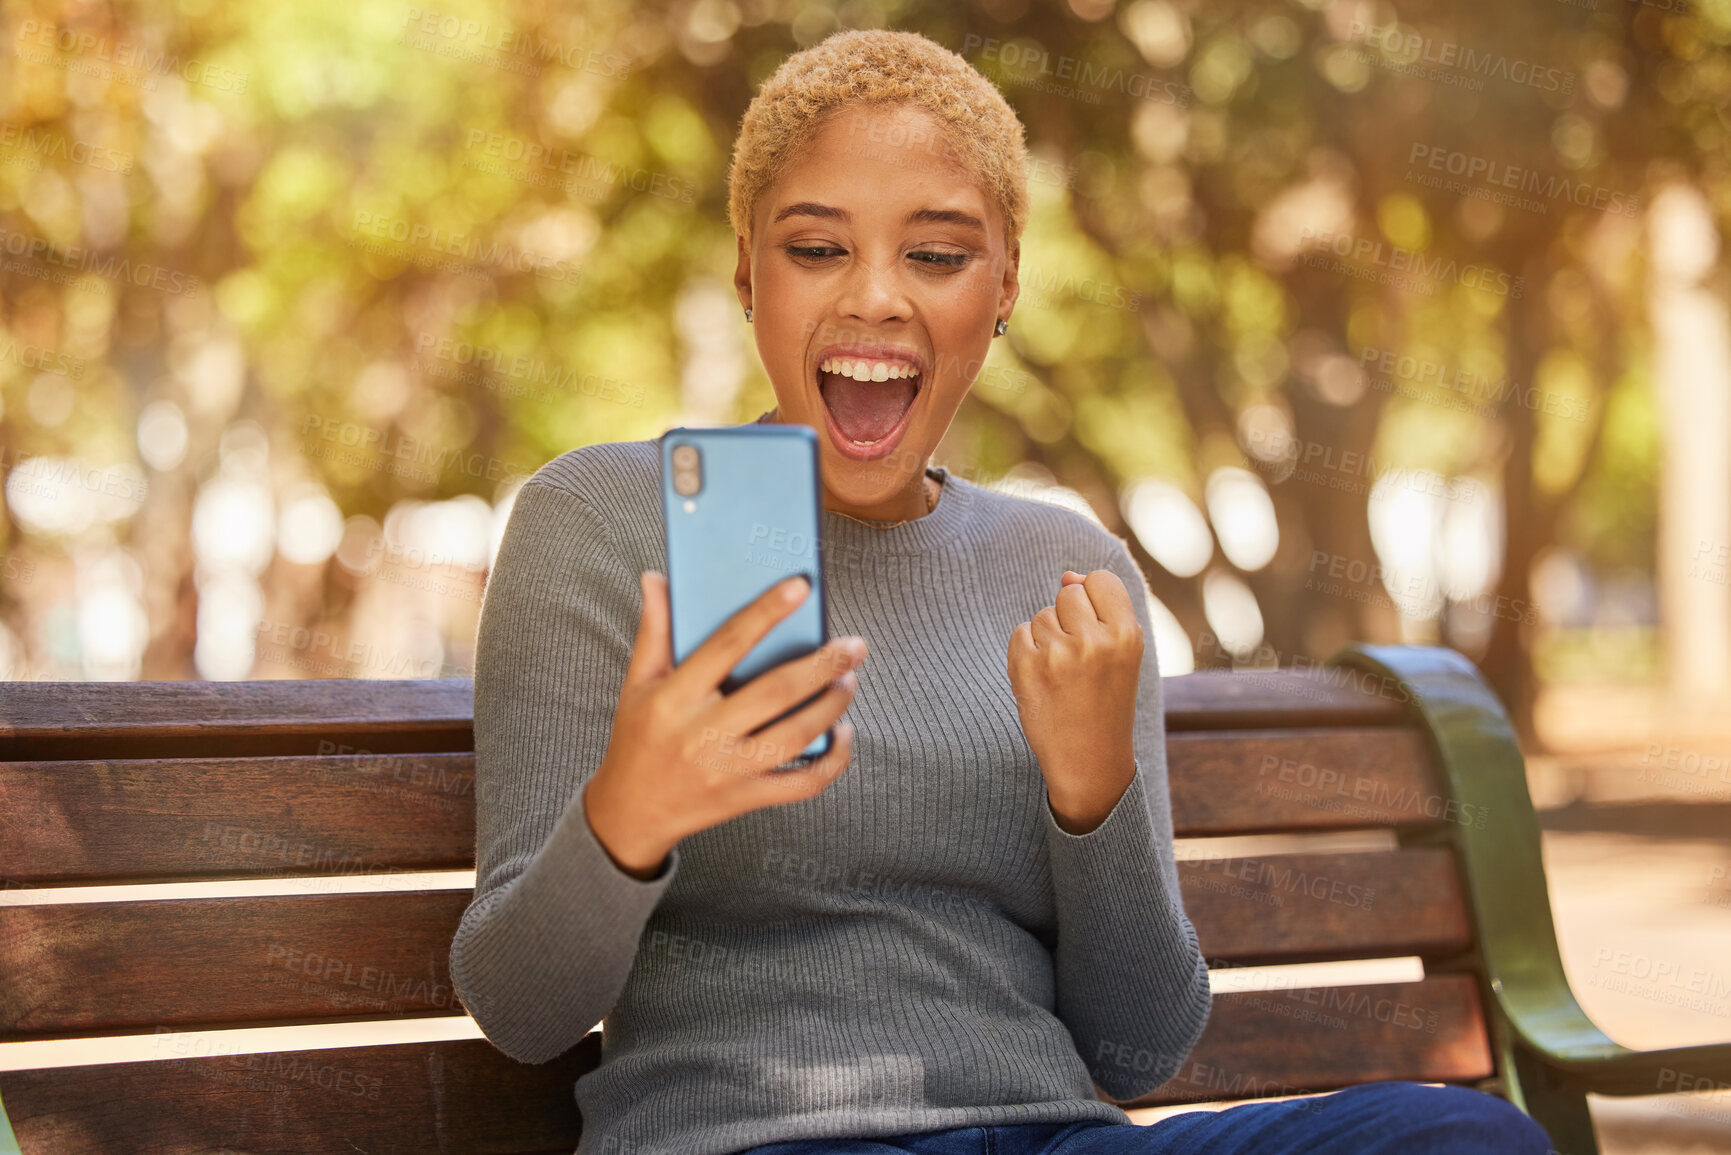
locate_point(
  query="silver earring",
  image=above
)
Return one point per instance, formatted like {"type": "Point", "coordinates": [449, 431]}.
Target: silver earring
{"type": "Point", "coordinates": [1002, 326]}
{"type": "Point", "coordinates": [748, 314]}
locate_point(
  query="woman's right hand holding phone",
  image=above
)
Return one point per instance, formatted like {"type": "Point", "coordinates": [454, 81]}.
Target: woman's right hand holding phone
{"type": "Point", "coordinates": [682, 757]}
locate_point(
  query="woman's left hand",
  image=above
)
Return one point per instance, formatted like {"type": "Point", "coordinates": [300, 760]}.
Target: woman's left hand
{"type": "Point", "coordinates": [1074, 669]}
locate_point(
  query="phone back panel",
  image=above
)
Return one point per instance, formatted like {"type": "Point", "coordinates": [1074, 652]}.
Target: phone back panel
{"type": "Point", "coordinates": [754, 521]}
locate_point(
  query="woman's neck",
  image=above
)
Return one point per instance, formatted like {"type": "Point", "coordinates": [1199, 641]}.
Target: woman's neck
{"type": "Point", "coordinates": [930, 490]}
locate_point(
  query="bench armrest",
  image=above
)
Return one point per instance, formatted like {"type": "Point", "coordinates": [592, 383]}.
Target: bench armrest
{"type": "Point", "coordinates": [1504, 879]}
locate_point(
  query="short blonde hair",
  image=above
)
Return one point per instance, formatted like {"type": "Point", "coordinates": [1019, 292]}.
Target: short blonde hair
{"type": "Point", "coordinates": [880, 67]}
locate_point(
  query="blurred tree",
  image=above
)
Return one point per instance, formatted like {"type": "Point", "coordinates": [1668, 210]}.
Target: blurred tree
{"type": "Point", "coordinates": [460, 237]}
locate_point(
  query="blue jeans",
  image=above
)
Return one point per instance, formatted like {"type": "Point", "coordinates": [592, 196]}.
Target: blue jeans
{"type": "Point", "coordinates": [1370, 1119]}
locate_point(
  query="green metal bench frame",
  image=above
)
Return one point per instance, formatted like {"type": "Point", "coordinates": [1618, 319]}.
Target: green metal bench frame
{"type": "Point", "coordinates": [1549, 1053]}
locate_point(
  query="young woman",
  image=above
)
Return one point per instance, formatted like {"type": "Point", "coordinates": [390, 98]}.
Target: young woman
{"type": "Point", "coordinates": [955, 930]}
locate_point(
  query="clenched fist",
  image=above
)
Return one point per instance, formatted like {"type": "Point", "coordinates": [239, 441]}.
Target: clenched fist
{"type": "Point", "coordinates": [1074, 669]}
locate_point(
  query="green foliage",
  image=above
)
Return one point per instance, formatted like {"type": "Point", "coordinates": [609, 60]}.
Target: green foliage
{"type": "Point", "coordinates": [544, 181]}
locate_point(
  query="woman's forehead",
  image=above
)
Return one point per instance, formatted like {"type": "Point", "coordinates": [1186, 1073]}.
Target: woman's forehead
{"type": "Point", "coordinates": [869, 162]}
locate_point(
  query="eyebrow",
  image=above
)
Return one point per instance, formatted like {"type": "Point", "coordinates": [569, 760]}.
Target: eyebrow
{"type": "Point", "coordinates": [918, 216]}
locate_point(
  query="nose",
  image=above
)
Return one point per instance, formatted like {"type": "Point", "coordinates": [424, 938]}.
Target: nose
{"type": "Point", "coordinates": [873, 292]}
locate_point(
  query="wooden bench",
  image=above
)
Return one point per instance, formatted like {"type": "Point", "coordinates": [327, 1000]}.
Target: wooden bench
{"type": "Point", "coordinates": [157, 782]}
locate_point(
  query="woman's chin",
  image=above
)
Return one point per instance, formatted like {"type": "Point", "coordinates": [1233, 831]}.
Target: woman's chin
{"type": "Point", "coordinates": [865, 485]}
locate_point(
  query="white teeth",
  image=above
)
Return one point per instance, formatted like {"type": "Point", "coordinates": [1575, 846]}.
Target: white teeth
{"type": "Point", "coordinates": [863, 370]}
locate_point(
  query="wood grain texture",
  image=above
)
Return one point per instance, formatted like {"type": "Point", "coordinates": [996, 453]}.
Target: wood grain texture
{"type": "Point", "coordinates": [84, 822]}
{"type": "Point", "coordinates": [1308, 907]}
{"type": "Point", "coordinates": [1286, 1042]}
{"type": "Point", "coordinates": [1251, 781]}
{"type": "Point", "coordinates": [90, 821]}
{"type": "Point", "coordinates": [1244, 699]}
{"type": "Point", "coordinates": [122, 967]}
{"type": "Point", "coordinates": [115, 968]}
{"type": "Point", "coordinates": [59, 720]}
{"type": "Point", "coordinates": [465, 1096]}
{"type": "Point", "coordinates": [462, 1096]}
{"type": "Point", "coordinates": [63, 720]}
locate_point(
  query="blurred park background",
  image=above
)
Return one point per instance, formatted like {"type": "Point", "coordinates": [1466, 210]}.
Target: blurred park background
{"type": "Point", "coordinates": [1359, 321]}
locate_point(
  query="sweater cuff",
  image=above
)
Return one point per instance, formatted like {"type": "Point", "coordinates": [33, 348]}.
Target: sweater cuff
{"type": "Point", "coordinates": [1125, 820]}
{"type": "Point", "coordinates": [574, 861]}
{"type": "Point", "coordinates": [1119, 850]}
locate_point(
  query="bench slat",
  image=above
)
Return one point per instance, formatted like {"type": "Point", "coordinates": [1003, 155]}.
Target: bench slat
{"type": "Point", "coordinates": [43, 720]}
{"type": "Point", "coordinates": [119, 967]}
{"type": "Point", "coordinates": [57, 720]}
{"type": "Point", "coordinates": [451, 1096]}
{"type": "Point", "coordinates": [1284, 1042]}
{"type": "Point", "coordinates": [465, 1096]}
{"type": "Point", "coordinates": [175, 818]}
{"type": "Point", "coordinates": [1243, 700]}
{"type": "Point", "coordinates": [1241, 782]}
{"type": "Point", "coordinates": [182, 818]}
{"type": "Point", "coordinates": [1308, 907]}
{"type": "Point", "coordinates": [114, 968]}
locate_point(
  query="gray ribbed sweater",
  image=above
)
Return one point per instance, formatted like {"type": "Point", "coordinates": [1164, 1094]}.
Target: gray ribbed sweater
{"type": "Point", "coordinates": [919, 947]}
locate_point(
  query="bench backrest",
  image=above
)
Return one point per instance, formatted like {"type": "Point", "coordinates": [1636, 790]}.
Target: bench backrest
{"type": "Point", "coordinates": [153, 782]}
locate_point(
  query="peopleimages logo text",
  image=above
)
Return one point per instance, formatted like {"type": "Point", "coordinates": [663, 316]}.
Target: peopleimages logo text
{"type": "Point", "coordinates": [77, 260]}
{"type": "Point", "coordinates": [480, 255]}
{"type": "Point", "coordinates": [88, 45]}
{"type": "Point", "coordinates": [1031, 62]}
{"type": "Point", "coordinates": [1477, 386]}
{"type": "Point", "coordinates": [1526, 180]}
{"type": "Point", "coordinates": [1411, 46]}
{"type": "Point", "coordinates": [47, 144]}
{"type": "Point", "coordinates": [1372, 251]}
{"type": "Point", "coordinates": [503, 38]}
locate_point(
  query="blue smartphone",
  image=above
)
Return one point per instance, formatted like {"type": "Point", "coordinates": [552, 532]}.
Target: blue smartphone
{"type": "Point", "coordinates": [741, 505]}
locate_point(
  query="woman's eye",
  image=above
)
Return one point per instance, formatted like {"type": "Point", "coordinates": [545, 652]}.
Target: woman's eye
{"type": "Point", "coordinates": [923, 256]}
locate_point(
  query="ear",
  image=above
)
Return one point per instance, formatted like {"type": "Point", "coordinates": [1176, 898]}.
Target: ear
{"type": "Point", "coordinates": [1012, 287]}
{"type": "Point", "coordinates": [742, 273]}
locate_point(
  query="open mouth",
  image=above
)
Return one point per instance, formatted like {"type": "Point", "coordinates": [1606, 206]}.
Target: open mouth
{"type": "Point", "coordinates": [868, 401]}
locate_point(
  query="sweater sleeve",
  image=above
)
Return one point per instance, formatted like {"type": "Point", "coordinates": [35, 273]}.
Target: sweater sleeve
{"type": "Point", "coordinates": [1132, 986]}
{"type": "Point", "coordinates": [546, 943]}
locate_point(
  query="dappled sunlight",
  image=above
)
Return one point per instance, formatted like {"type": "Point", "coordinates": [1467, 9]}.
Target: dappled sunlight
{"type": "Point", "coordinates": [1169, 526]}
{"type": "Point", "coordinates": [1243, 518]}
{"type": "Point", "coordinates": [1233, 613]}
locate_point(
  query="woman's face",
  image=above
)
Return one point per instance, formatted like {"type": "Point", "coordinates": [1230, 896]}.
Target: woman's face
{"type": "Point", "coordinates": [875, 254]}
